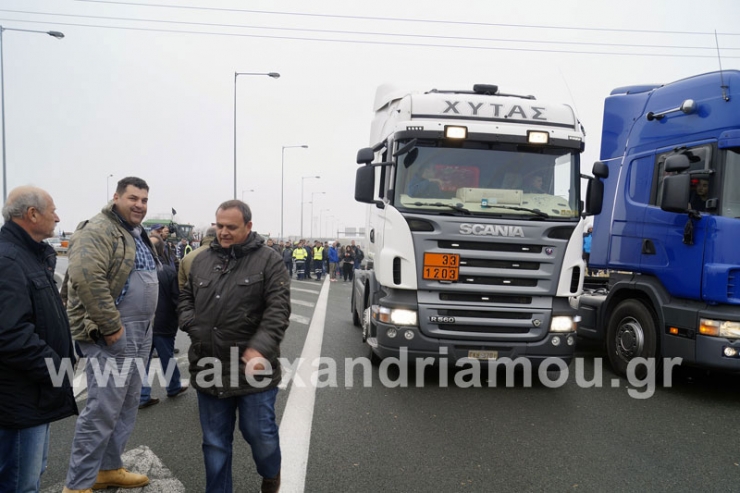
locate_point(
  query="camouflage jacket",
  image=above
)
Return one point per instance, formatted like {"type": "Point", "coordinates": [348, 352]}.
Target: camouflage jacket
{"type": "Point", "coordinates": [101, 257]}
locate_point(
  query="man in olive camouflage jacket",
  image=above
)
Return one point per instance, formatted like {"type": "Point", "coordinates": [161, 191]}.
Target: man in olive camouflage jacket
{"type": "Point", "coordinates": [113, 291]}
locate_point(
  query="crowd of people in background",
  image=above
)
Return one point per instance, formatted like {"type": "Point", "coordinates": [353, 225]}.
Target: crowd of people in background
{"type": "Point", "coordinates": [313, 260]}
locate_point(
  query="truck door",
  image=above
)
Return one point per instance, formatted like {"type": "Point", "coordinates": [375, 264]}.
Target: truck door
{"type": "Point", "coordinates": [633, 197]}
{"type": "Point", "coordinates": [665, 254]}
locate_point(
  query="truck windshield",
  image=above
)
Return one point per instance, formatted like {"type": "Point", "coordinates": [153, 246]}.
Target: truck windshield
{"type": "Point", "coordinates": [489, 179]}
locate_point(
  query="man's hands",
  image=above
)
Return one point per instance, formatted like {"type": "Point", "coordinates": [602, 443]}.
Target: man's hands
{"type": "Point", "coordinates": [256, 358]}
{"type": "Point", "coordinates": [111, 339]}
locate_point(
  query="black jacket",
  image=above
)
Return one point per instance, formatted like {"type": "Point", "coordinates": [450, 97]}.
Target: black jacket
{"type": "Point", "coordinates": [33, 329]}
{"type": "Point", "coordinates": [165, 318]}
{"type": "Point", "coordinates": [235, 298]}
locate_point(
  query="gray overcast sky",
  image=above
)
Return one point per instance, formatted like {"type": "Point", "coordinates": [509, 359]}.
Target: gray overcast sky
{"type": "Point", "coordinates": [120, 96]}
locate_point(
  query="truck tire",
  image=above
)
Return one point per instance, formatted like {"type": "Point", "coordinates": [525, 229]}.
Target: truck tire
{"type": "Point", "coordinates": [355, 317]}
{"type": "Point", "coordinates": [631, 333]}
{"type": "Point", "coordinates": [368, 330]}
{"type": "Point", "coordinates": [366, 324]}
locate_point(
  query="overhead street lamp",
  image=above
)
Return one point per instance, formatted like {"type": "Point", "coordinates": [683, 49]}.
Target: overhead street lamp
{"type": "Point", "coordinates": [251, 190]}
{"type": "Point", "coordinates": [282, 184]}
{"type": "Point", "coordinates": [312, 201]}
{"type": "Point", "coordinates": [274, 75]}
{"type": "Point", "coordinates": [107, 188]}
{"type": "Point", "coordinates": [303, 181]}
{"type": "Point", "coordinates": [54, 34]}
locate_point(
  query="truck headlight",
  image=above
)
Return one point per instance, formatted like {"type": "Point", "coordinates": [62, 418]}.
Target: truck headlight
{"type": "Point", "coordinates": [397, 316]}
{"type": "Point", "coordinates": [717, 328]}
{"type": "Point", "coordinates": [562, 324]}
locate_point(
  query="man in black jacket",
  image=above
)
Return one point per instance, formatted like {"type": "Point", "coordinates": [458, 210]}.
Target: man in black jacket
{"type": "Point", "coordinates": [235, 307]}
{"type": "Point", "coordinates": [35, 342]}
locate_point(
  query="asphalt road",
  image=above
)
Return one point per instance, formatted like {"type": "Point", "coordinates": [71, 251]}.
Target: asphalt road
{"type": "Point", "coordinates": [432, 436]}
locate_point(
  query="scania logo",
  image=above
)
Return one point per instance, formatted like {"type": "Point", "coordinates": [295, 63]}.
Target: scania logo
{"type": "Point", "coordinates": [491, 230]}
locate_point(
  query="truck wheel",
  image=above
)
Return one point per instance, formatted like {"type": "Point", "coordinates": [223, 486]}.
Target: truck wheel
{"type": "Point", "coordinates": [366, 321]}
{"type": "Point", "coordinates": [631, 334]}
{"type": "Point", "coordinates": [355, 317]}
{"type": "Point", "coordinates": [368, 331]}
{"type": "Point", "coordinates": [374, 358]}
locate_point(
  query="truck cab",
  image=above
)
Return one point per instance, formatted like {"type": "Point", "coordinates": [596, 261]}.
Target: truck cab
{"type": "Point", "coordinates": [474, 227]}
{"type": "Point", "coordinates": [667, 193]}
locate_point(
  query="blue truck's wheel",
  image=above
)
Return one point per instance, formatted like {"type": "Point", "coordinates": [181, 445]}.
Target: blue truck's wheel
{"type": "Point", "coordinates": [631, 334]}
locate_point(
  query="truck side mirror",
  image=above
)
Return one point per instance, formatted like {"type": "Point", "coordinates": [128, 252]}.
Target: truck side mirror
{"type": "Point", "coordinates": [676, 191]}
{"type": "Point", "coordinates": [600, 170]}
{"type": "Point", "coordinates": [594, 196]}
{"type": "Point", "coordinates": [365, 155]}
{"type": "Point", "coordinates": [365, 184]}
{"type": "Point", "coordinates": [677, 163]}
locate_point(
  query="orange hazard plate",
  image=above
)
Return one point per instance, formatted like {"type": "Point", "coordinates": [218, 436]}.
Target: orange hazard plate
{"type": "Point", "coordinates": [441, 266]}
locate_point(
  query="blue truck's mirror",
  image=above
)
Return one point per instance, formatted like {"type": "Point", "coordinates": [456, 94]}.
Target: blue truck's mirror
{"type": "Point", "coordinates": [594, 196]}
{"type": "Point", "coordinates": [676, 191]}
{"type": "Point", "coordinates": [677, 163]}
{"type": "Point", "coordinates": [365, 155]}
{"type": "Point", "coordinates": [600, 170]}
{"type": "Point", "coordinates": [365, 184]}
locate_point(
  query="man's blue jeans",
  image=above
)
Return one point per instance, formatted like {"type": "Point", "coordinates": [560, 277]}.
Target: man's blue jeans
{"type": "Point", "coordinates": [165, 346]}
{"type": "Point", "coordinates": [23, 458]}
{"type": "Point", "coordinates": [258, 426]}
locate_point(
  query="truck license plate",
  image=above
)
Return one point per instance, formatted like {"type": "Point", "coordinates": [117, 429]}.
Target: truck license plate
{"type": "Point", "coordinates": [441, 266]}
{"type": "Point", "coordinates": [489, 355]}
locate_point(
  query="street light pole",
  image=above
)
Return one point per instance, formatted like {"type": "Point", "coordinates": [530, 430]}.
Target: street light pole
{"type": "Point", "coordinates": [107, 188]}
{"type": "Point", "coordinates": [321, 221]}
{"type": "Point", "coordinates": [54, 34]}
{"type": "Point", "coordinates": [274, 75]}
{"type": "Point", "coordinates": [303, 181]}
{"type": "Point", "coordinates": [312, 201]}
{"type": "Point", "coordinates": [282, 185]}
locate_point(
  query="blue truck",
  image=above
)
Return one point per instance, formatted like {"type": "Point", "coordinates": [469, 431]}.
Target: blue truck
{"type": "Point", "coordinates": [665, 197]}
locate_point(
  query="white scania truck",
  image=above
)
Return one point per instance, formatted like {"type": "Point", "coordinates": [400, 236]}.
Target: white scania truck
{"type": "Point", "coordinates": [474, 227]}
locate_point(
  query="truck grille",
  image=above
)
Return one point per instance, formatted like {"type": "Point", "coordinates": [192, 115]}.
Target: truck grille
{"type": "Point", "coordinates": [486, 298]}
{"type": "Point", "coordinates": [504, 289]}
{"type": "Point", "coordinates": [488, 246]}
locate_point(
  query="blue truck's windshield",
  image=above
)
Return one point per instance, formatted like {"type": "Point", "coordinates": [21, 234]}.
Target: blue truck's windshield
{"type": "Point", "coordinates": [501, 180]}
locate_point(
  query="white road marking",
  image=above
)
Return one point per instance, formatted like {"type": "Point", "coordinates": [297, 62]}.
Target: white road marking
{"type": "Point", "coordinates": [287, 375]}
{"type": "Point", "coordinates": [303, 303]}
{"type": "Point", "coordinates": [295, 427]}
{"type": "Point", "coordinates": [305, 290]}
{"type": "Point", "coordinates": [142, 460]}
{"type": "Point", "coordinates": [299, 319]}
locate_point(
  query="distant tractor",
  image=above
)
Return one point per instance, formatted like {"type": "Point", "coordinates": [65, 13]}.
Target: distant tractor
{"type": "Point", "coordinates": [177, 231]}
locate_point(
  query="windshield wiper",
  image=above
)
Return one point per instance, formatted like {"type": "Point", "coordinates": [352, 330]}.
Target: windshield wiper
{"type": "Point", "coordinates": [525, 209]}
{"type": "Point", "coordinates": [456, 207]}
